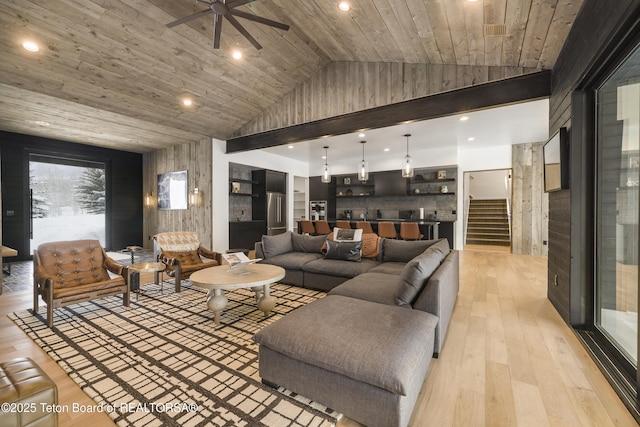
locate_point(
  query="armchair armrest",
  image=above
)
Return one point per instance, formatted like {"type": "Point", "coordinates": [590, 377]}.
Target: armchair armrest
{"type": "Point", "coordinates": [114, 267]}
{"type": "Point", "coordinates": [41, 278]}
{"type": "Point", "coordinates": [210, 254]}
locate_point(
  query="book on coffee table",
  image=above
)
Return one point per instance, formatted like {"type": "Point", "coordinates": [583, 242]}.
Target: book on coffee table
{"type": "Point", "coordinates": [238, 260]}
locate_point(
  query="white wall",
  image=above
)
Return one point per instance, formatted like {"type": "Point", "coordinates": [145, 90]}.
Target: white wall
{"type": "Point", "coordinates": [258, 159]}
{"type": "Point", "coordinates": [491, 184]}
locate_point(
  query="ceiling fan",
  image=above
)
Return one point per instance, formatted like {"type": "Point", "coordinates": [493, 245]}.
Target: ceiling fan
{"type": "Point", "coordinates": [227, 9]}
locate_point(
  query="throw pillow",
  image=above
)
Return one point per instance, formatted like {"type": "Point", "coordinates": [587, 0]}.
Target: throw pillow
{"type": "Point", "coordinates": [417, 272]}
{"type": "Point", "coordinates": [346, 234]}
{"type": "Point", "coordinates": [344, 251]}
{"type": "Point", "coordinates": [403, 250]}
{"type": "Point", "coordinates": [370, 245]}
{"type": "Point", "coordinates": [307, 243]}
{"type": "Point", "coordinates": [276, 245]}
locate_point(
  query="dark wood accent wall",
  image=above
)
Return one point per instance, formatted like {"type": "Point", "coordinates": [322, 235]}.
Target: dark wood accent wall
{"type": "Point", "coordinates": [594, 38]}
{"type": "Point", "coordinates": [492, 94]}
{"type": "Point", "coordinates": [124, 188]}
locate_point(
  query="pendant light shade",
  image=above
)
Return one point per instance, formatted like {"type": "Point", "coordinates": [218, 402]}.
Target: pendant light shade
{"type": "Point", "coordinates": [326, 172]}
{"type": "Point", "coordinates": [407, 165]}
{"type": "Point", "coordinates": [363, 168]}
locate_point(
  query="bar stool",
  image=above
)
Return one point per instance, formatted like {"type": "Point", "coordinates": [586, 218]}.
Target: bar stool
{"type": "Point", "coordinates": [410, 231]}
{"type": "Point", "coordinates": [365, 226]}
{"type": "Point", "coordinates": [387, 230]}
{"type": "Point", "coordinates": [322, 227]}
{"type": "Point", "coordinates": [343, 224]}
{"type": "Point", "coordinates": [306, 227]}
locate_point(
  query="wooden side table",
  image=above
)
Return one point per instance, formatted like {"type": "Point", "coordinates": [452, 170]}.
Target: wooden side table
{"type": "Point", "coordinates": [145, 267]}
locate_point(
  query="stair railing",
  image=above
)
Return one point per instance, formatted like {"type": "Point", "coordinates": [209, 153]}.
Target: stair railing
{"type": "Point", "coordinates": [467, 206]}
{"type": "Point", "coordinates": [507, 184]}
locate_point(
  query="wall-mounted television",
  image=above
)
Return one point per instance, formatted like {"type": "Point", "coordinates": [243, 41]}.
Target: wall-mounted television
{"type": "Point", "coordinates": [556, 161]}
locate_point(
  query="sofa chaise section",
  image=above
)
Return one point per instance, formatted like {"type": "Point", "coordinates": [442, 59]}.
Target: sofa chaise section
{"type": "Point", "coordinates": [364, 359]}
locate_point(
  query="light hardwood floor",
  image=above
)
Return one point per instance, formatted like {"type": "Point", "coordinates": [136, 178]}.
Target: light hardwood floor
{"type": "Point", "coordinates": [508, 359]}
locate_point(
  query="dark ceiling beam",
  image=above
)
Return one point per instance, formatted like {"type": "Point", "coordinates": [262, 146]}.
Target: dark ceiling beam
{"type": "Point", "coordinates": [493, 94]}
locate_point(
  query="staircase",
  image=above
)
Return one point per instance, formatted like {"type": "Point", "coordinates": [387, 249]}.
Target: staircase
{"type": "Point", "coordinates": [488, 223]}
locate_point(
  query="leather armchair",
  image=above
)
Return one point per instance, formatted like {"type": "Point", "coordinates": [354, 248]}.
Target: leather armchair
{"type": "Point", "coordinates": [182, 254]}
{"type": "Point", "coordinates": [75, 271]}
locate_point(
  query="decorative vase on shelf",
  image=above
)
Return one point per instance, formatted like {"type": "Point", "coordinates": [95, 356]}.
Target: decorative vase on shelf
{"type": "Point", "coordinates": [444, 189]}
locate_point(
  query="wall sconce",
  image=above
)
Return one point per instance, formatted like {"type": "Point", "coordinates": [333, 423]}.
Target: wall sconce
{"type": "Point", "coordinates": [194, 197]}
{"type": "Point", "coordinates": [148, 199]}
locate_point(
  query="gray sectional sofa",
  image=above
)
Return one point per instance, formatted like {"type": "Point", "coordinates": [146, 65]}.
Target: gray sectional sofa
{"type": "Point", "coordinates": [364, 349]}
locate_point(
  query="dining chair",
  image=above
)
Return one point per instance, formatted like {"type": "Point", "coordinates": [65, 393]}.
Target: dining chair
{"type": "Point", "coordinates": [306, 227]}
{"type": "Point", "coordinates": [410, 231]}
{"type": "Point", "coordinates": [343, 224]}
{"type": "Point", "coordinates": [365, 226]}
{"type": "Point", "coordinates": [387, 230]}
{"type": "Point", "coordinates": [322, 227]}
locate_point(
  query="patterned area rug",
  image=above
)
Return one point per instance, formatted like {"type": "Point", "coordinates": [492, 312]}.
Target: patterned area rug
{"type": "Point", "coordinates": [163, 361]}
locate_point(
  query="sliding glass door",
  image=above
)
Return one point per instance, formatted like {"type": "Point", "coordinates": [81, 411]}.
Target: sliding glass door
{"type": "Point", "coordinates": [617, 208]}
{"type": "Point", "coordinates": [67, 199]}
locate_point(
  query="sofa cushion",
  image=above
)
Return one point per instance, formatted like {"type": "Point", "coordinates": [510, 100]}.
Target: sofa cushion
{"type": "Point", "coordinates": [339, 268]}
{"type": "Point", "coordinates": [402, 250]}
{"type": "Point", "coordinates": [416, 273]}
{"type": "Point", "coordinates": [345, 251]}
{"type": "Point", "coordinates": [373, 343]}
{"type": "Point", "coordinates": [344, 234]}
{"type": "Point", "coordinates": [276, 245]}
{"type": "Point", "coordinates": [374, 287]}
{"type": "Point", "coordinates": [307, 243]}
{"type": "Point", "coordinates": [394, 268]}
{"type": "Point", "coordinates": [292, 260]}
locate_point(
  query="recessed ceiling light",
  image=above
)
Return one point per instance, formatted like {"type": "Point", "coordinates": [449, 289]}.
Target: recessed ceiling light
{"type": "Point", "coordinates": [187, 102]}
{"type": "Point", "coordinates": [361, 135]}
{"type": "Point", "coordinates": [41, 123]}
{"type": "Point", "coordinates": [471, 139]}
{"type": "Point", "coordinates": [236, 54]}
{"type": "Point", "coordinates": [290, 147]}
{"type": "Point", "coordinates": [464, 118]}
{"type": "Point", "coordinates": [344, 6]}
{"type": "Point", "coordinates": [387, 149]}
{"type": "Point", "coordinates": [30, 46]}
{"type": "Point", "coordinates": [471, 1]}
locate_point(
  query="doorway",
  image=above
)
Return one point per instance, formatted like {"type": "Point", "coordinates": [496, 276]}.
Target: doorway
{"type": "Point", "coordinates": [67, 200]}
{"type": "Point", "coordinates": [487, 208]}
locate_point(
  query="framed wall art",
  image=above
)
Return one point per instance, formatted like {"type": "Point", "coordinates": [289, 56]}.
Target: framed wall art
{"type": "Point", "coordinates": [173, 191]}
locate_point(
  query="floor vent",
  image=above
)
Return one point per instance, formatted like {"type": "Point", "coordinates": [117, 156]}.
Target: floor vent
{"type": "Point", "coordinates": [499, 30]}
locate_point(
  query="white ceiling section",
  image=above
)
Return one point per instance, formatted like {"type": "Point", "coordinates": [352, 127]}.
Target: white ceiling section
{"type": "Point", "coordinates": [514, 124]}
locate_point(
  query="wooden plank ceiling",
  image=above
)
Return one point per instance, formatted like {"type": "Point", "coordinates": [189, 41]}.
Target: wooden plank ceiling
{"type": "Point", "coordinates": [110, 73]}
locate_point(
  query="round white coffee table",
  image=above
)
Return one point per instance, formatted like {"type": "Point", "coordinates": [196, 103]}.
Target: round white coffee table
{"type": "Point", "coordinates": [258, 277]}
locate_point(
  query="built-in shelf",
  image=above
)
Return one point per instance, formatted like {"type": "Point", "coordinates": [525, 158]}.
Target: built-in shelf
{"type": "Point", "coordinates": [243, 194]}
{"type": "Point", "coordinates": [243, 181]}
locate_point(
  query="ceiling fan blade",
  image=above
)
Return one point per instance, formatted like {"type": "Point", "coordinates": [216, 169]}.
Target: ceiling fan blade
{"type": "Point", "coordinates": [259, 19]}
{"type": "Point", "coordinates": [189, 18]}
{"type": "Point", "coordinates": [244, 32]}
{"type": "Point", "coordinates": [217, 28]}
{"type": "Point", "coordinates": [236, 3]}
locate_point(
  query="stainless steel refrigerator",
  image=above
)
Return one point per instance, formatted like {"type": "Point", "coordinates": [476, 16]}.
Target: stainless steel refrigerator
{"type": "Point", "coordinates": [276, 213]}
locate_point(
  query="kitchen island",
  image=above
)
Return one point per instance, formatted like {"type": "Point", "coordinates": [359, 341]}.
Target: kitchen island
{"type": "Point", "coordinates": [430, 229]}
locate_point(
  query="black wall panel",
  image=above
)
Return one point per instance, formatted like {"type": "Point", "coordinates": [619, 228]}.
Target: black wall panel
{"type": "Point", "coordinates": [123, 188]}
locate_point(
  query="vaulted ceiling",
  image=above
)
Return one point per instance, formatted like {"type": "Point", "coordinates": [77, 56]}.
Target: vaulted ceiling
{"type": "Point", "coordinates": [110, 73]}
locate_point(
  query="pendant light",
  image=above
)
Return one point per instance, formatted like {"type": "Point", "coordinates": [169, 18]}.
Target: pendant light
{"type": "Point", "coordinates": [363, 169]}
{"type": "Point", "coordinates": [326, 173]}
{"type": "Point", "coordinates": [407, 166]}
